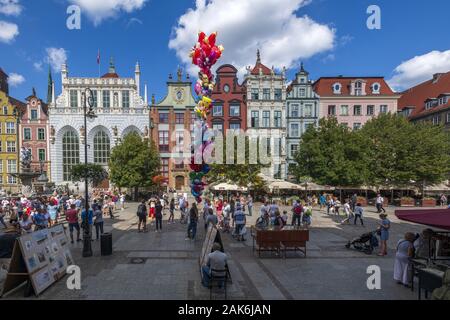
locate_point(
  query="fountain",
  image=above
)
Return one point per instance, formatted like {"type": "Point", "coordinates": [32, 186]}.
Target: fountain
{"type": "Point", "coordinates": [25, 174]}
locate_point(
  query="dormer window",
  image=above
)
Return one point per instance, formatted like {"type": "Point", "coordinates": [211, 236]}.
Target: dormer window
{"type": "Point", "coordinates": [358, 88]}
{"type": "Point", "coordinates": [376, 88]}
{"type": "Point", "coordinates": [337, 88]}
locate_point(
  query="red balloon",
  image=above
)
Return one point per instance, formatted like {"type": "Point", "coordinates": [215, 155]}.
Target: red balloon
{"type": "Point", "coordinates": [212, 39]}
{"type": "Point", "coordinates": [201, 37]}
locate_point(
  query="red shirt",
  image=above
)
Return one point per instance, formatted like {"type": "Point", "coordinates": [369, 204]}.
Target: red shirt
{"type": "Point", "coordinates": [72, 215]}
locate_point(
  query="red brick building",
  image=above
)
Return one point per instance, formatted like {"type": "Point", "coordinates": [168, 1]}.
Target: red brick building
{"type": "Point", "coordinates": [230, 103]}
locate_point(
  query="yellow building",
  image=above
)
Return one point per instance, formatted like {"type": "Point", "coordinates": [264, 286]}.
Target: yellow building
{"type": "Point", "coordinates": [9, 110]}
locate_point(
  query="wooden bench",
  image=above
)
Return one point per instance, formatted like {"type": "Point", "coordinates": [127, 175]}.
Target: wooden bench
{"type": "Point", "coordinates": [280, 240]}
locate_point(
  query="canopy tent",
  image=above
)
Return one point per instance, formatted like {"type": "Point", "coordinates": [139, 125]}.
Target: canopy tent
{"type": "Point", "coordinates": [284, 185]}
{"type": "Point", "coordinates": [227, 187]}
{"type": "Point", "coordinates": [438, 187]}
{"type": "Point", "coordinates": [438, 218]}
{"type": "Point", "coordinates": [311, 186]}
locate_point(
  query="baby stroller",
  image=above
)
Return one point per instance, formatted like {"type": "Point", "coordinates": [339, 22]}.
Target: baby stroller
{"type": "Point", "coordinates": [365, 243]}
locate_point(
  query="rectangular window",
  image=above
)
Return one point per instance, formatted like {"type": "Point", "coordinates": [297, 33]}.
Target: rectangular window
{"type": "Point", "coordinates": [255, 119]}
{"type": "Point", "coordinates": [26, 134]}
{"type": "Point", "coordinates": [344, 110]}
{"type": "Point", "coordinates": [106, 99]}
{"type": "Point", "coordinates": [294, 148]}
{"type": "Point", "coordinates": [356, 126]}
{"type": "Point", "coordinates": [193, 117]}
{"type": "Point", "coordinates": [218, 110]}
{"type": "Point", "coordinates": [295, 130]}
{"type": "Point", "coordinates": [308, 110]}
{"type": "Point", "coordinates": [95, 98]}
{"type": "Point", "coordinates": [302, 92]}
{"type": "Point", "coordinates": [12, 180]}
{"type": "Point", "coordinates": [235, 110]}
{"type": "Point", "coordinates": [163, 141]}
{"type": "Point", "coordinates": [41, 154]}
{"type": "Point", "coordinates": [73, 98]}
{"type": "Point", "coordinates": [277, 119]}
{"type": "Point", "coordinates": [266, 94]}
{"type": "Point", "coordinates": [266, 119]}
{"type": "Point", "coordinates": [370, 110]}
{"type": "Point", "coordinates": [34, 114]}
{"type": "Point", "coordinates": [235, 125]}
{"type": "Point", "coordinates": [41, 133]}
{"type": "Point", "coordinates": [217, 127]}
{"type": "Point", "coordinates": [165, 167]}
{"type": "Point", "coordinates": [331, 110]}
{"type": "Point", "coordinates": [277, 171]}
{"type": "Point", "coordinates": [10, 128]}
{"type": "Point", "coordinates": [5, 110]}
{"type": "Point", "coordinates": [345, 124]}
{"type": "Point", "coordinates": [179, 118]}
{"type": "Point", "coordinates": [164, 118]}
{"type": "Point", "coordinates": [10, 146]}
{"type": "Point", "coordinates": [278, 94]}
{"type": "Point", "coordinates": [383, 108]}
{"type": "Point", "coordinates": [125, 99]}
{"type": "Point", "coordinates": [357, 110]}
{"type": "Point", "coordinates": [12, 166]}
{"type": "Point", "coordinates": [294, 111]}
{"type": "Point", "coordinates": [255, 94]}
{"type": "Point", "coordinates": [268, 141]}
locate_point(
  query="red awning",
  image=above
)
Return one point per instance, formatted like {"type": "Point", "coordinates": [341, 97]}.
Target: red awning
{"type": "Point", "coordinates": [439, 218]}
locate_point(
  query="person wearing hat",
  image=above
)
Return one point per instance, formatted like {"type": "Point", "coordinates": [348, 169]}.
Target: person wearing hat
{"type": "Point", "coordinates": [383, 229]}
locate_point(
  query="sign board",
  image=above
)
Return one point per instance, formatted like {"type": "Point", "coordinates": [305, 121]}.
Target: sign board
{"type": "Point", "coordinates": [41, 257]}
{"type": "Point", "coordinates": [212, 235]}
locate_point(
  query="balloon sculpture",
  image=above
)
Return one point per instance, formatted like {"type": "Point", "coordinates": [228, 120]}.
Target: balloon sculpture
{"type": "Point", "coordinates": [204, 55]}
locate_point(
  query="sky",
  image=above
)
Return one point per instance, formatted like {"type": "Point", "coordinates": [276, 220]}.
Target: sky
{"type": "Point", "coordinates": [331, 37]}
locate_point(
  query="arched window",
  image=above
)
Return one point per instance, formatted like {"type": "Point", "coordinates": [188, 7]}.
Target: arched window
{"type": "Point", "coordinates": [101, 147]}
{"type": "Point", "coordinates": [71, 153]}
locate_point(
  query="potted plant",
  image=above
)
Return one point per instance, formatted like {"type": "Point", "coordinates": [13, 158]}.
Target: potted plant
{"type": "Point", "coordinates": [362, 201]}
{"type": "Point", "coordinates": [406, 202]}
{"type": "Point", "coordinates": [428, 202]}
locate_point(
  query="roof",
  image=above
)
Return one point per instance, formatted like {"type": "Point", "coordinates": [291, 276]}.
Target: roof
{"type": "Point", "coordinates": [110, 75]}
{"type": "Point", "coordinates": [3, 73]}
{"type": "Point", "coordinates": [265, 70]}
{"type": "Point", "coordinates": [17, 103]}
{"type": "Point", "coordinates": [416, 96]}
{"type": "Point", "coordinates": [430, 111]}
{"type": "Point", "coordinates": [324, 86]}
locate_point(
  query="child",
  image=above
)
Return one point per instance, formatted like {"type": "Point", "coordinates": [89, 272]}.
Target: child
{"type": "Point", "coordinates": [285, 217]}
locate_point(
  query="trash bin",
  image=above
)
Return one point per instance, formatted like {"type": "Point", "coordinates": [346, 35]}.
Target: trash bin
{"type": "Point", "coordinates": [106, 244]}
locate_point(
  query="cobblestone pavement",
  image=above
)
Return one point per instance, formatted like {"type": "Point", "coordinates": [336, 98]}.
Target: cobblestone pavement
{"type": "Point", "coordinates": [165, 266]}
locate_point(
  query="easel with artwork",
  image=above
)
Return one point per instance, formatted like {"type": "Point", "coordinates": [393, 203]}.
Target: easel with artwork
{"type": "Point", "coordinates": [212, 235]}
{"type": "Point", "coordinates": [40, 258]}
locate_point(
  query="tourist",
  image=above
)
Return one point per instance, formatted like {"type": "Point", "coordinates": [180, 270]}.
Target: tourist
{"type": "Point", "coordinates": [2, 218]}
{"type": "Point", "coordinates": [264, 209]}
{"type": "Point", "coordinates": [26, 224]}
{"type": "Point", "coordinates": [336, 207]}
{"type": "Point", "coordinates": [205, 211]}
{"type": "Point", "coordinates": [142, 215]}
{"type": "Point", "coordinates": [211, 218]}
{"type": "Point", "coordinates": [72, 219]}
{"type": "Point", "coordinates": [19, 208]}
{"type": "Point", "coordinates": [232, 211]}
{"type": "Point", "coordinates": [307, 216]}
{"type": "Point", "coordinates": [443, 200]}
{"type": "Point", "coordinates": [347, 211]}
{"type": "Point", "coordinates": [405, 251]}
{"type": "Point", "coordinates": [383, 228]}
{"type": "Point", "coordinates": [297, 212]}
{"type": "Point", "coordinates": [358, 213]}
{"type": "Point", "coordinates": [354, 201]}
{"type": "Point", "coordinates": [322, 201]}
{"type": "Point", "coordinates": [193, 221]}
{"type": "Point", "coordinates": [122, 199]}
{"type": "Point", "coordinates": [219, 208]}
{"type": "Point", "coordinates": [250, 205]}
{"type": "Point", "coordinates": [98, 221]}
{"type": "Point", "coordinates": [40, 220]}
{"type": "Point", "coordinates": [240, 221]}
{"type": "Point", "coordinates": [224, 219]}
{"type": "Point", "coordinates": [52, 210]}
{"type": "Point", "coordinates": [89, 215]}
{"type": "Point", "coordinates": [279, 222]}
{"type": "Point", "coordinates": [273, 209]}
{"type": "Point", "coordinates": [379, 203]}
{"type": "Point", "coordinates": [158, 216]}
{"type": "Point", "coordinates": [151, 212]}
{"type": "Point", "coordinates": [216, 260]}
{"type": "Point", "coordinates": [423, 244]}
{"type": "Point", "coordinates": [171, 211]}
{"type": "Point", "coordinates": [330, 204]}
{"type": "Point", "coordinates": [115, 199]}
{"type": "Point", "coordinates": [285, 217]}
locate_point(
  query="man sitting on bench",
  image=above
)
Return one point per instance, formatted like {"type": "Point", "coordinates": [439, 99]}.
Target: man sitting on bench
{"type": "Point", "coordinates": [216, 260]}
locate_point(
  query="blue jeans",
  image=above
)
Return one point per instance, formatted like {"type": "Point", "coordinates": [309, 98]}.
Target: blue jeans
{"type": "Point", "coordinates": [250, 211]}
{"type": "Point", "coordinates": [192, 230]}
{"type": "Point", "coordinates": [206, 277]}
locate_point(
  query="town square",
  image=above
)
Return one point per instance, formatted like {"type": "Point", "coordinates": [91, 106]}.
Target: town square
{"type": "Point", "coordinates": [192, 151]}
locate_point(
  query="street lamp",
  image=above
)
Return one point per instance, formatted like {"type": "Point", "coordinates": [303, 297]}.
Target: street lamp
{"type": "Point", "coordinates": [17, 113]}
{"type": "Point", "coordinates": [88, 100]}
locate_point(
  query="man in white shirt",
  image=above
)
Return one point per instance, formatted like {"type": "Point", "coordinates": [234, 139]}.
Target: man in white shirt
{"type": "Point", "coordinates": [379, 204]}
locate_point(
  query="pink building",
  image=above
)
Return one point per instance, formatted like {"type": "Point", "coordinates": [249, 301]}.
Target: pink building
{"type": "Point", "coordinates": [353, 101]}
{"type": "Point", "coordinates": [34, 133]}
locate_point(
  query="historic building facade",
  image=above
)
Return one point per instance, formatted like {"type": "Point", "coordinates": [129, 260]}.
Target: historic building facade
{"type": "Point", "coordinates": [172, 125]}
{"type": "Point", "coordinates": [119, 110]}
{"type": "Point", "coordinates": [9, 118]}
{"type": "Point", "coordinates": [34, 130]}
{"type": "Point", "coordinates": [428, 101]}
{"type": "Point", "coordinates": [266, 114]}
{"type": "Point", "coordinates": [230, 105]}
{"type": "Point", "coordinates": [302, 109]}
{"type": "Point", "coordinates": [355, 100]}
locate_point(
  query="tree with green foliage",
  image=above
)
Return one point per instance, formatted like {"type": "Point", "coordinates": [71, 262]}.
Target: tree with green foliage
{"type": "Point", "coordinates": [331, 154]}
{"type": "Point", "coordinates": [134, 162]}
{"type": "Point", "coordinates": [94, 172]}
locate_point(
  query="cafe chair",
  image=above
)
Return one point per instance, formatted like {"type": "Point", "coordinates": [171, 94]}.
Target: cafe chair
{"type": "Point", "coordinates": [218, 277]}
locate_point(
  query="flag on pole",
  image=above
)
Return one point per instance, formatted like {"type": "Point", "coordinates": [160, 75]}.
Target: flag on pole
{"type": "Point", "coordinates": [98, 57]}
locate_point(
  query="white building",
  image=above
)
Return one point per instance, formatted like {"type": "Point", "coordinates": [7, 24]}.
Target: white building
{"type": "Point", "coordinates": [266, 113]}
{"type": "Point", "coordinates": [119, 108]}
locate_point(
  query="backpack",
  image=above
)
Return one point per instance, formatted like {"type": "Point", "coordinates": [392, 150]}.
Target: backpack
{"type": "Point", "coordinates": [298, 210]}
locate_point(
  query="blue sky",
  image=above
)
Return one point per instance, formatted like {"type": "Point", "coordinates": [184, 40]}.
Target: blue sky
{"type": "Point", "coordinates": [330, 36]}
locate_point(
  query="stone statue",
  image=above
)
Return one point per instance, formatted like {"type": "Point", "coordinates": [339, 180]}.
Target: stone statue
{"type": "Point", "coordinates": [115, 131]}
{"type": "Point", "coordinates": [116, 100]}
{"type": "Point", "coordinates": [52, 131]}
{"type": "Point", "coordinates": [25, 157]}
{"type": "Point", "coordinates": [146, 131]}
{"type": "Point", "coordinates": [82, 131]}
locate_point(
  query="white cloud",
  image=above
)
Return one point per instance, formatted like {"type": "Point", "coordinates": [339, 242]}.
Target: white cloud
{"type": "Point", "coordinates": [8, 31]}
{"type": "Point", "coordinates": [56, 57]}
{"type": "Point", "coordinates": [10, 7]}
{"type": "Point", "coordinates": [104, 9]}
{"type": "Point", "coordinates": [134, 21]}
{"type": "Point", "coordinates": [246, 25]}
{"type": "Point", "coordinates": [38, 65]}
{"type": "Point", "coordinates": [420, 69]}
{"type": "Point", "coordinates": [15, 79]}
